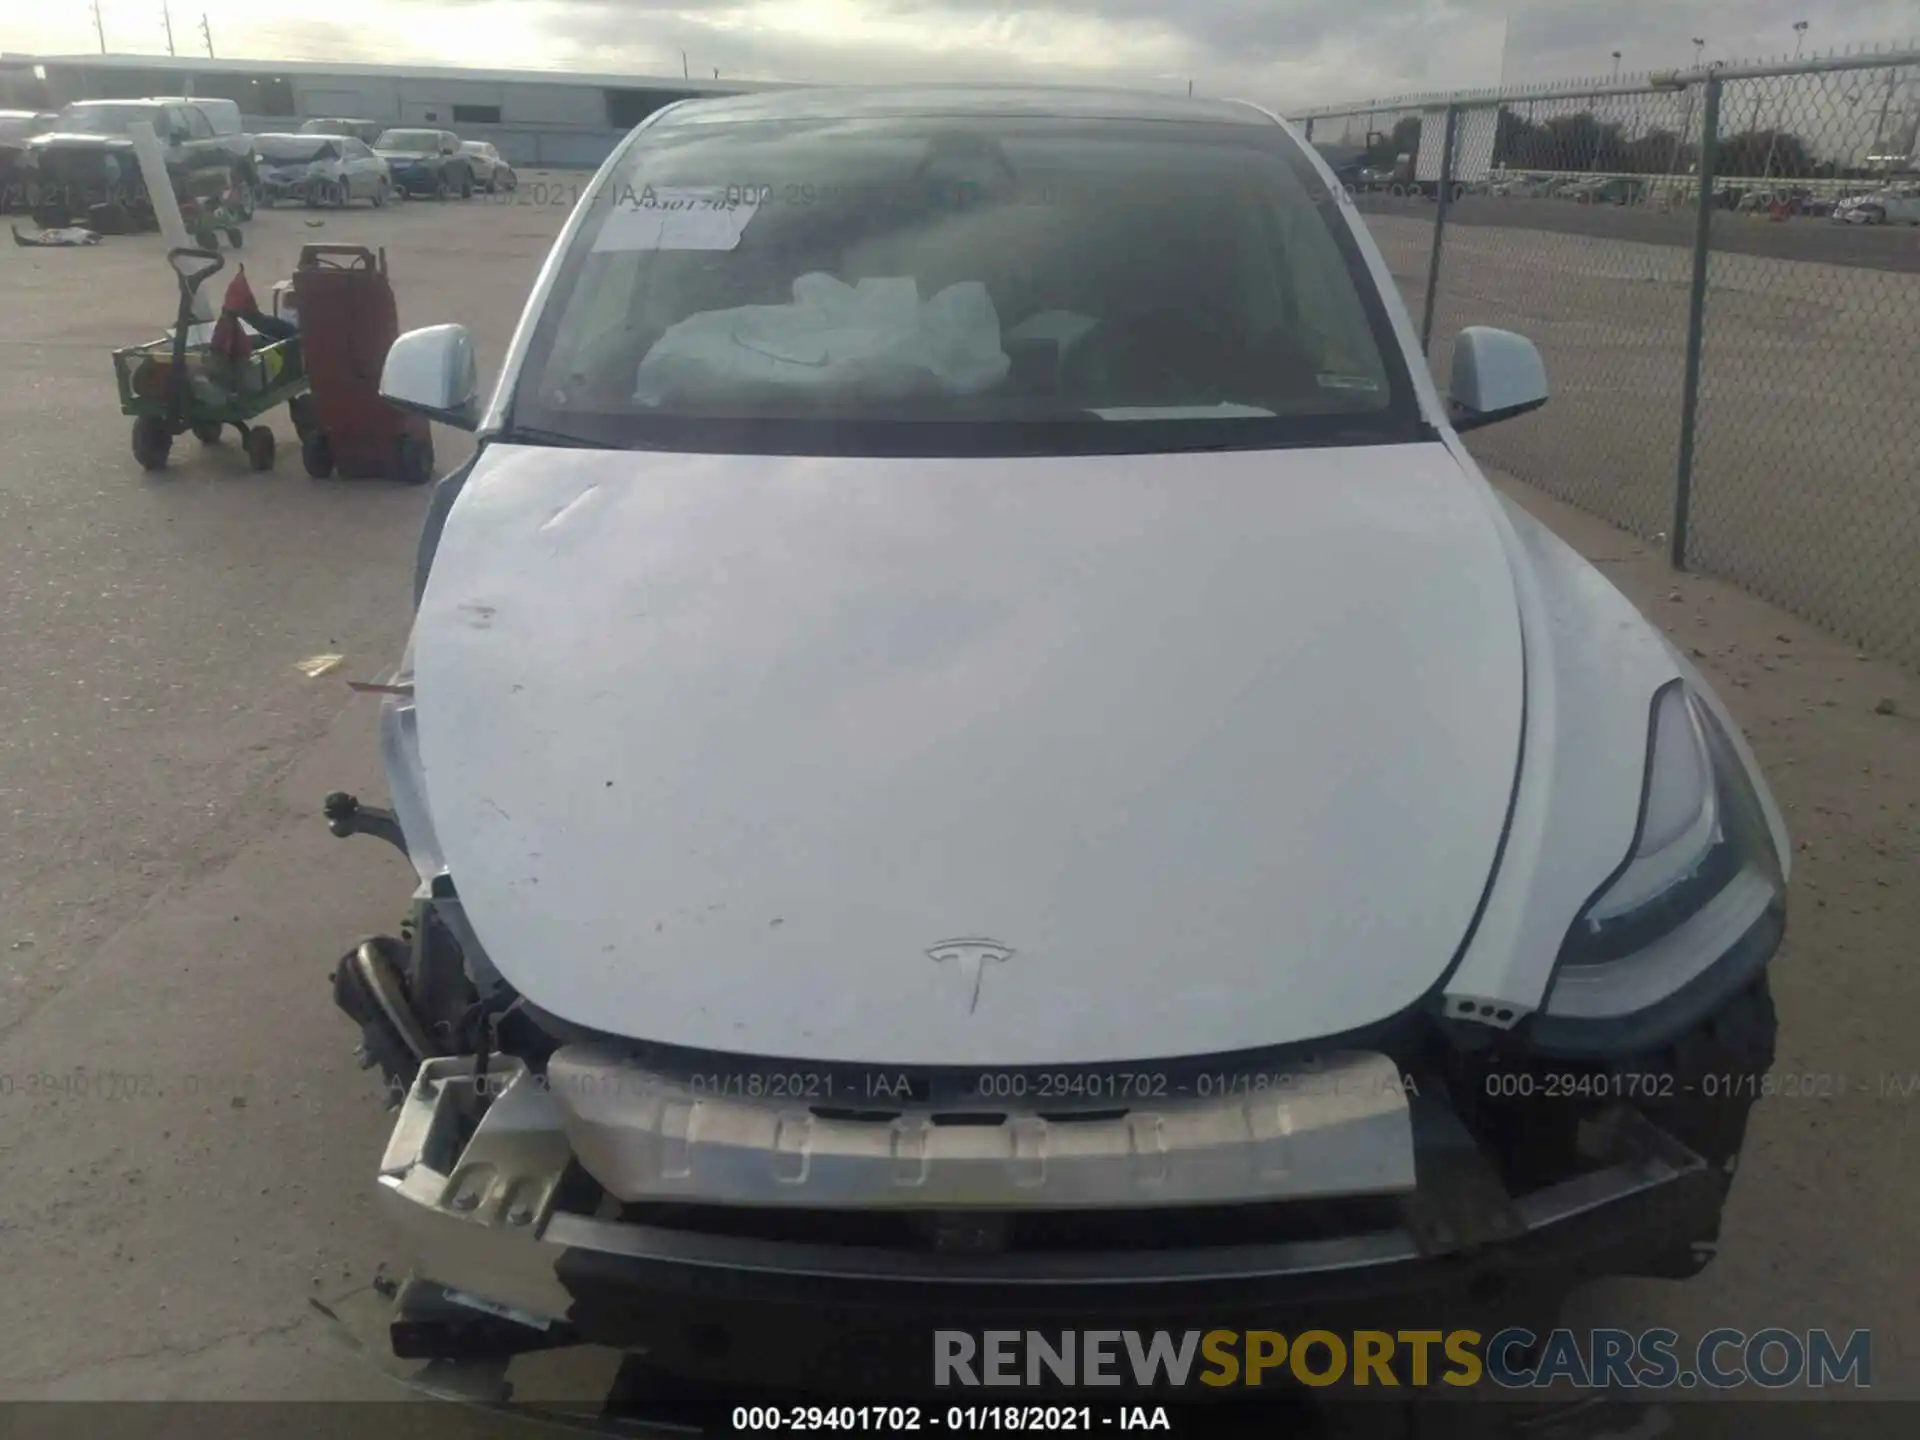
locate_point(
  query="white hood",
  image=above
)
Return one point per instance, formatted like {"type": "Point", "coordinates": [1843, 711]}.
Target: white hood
{"type": "Point", "coordinates": [1213, 750]}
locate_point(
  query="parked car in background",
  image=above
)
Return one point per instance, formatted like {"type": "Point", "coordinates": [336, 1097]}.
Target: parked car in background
{"type": "Point", "coordinates": [365, 131]}
{"type": "Point", "coordinates": [490, 172]}
{"type": "Point", "coordinates": [84, 164]}
{"type": "Point", "coordinates": [426, 162]}
{"type": "Point", "coordinates": [321, 170]}
{"type": "Point", "coordinates": [1614, 190]}
{"type": "Point", "coordinates": [1895, 205]}
{"type": "Point", "coordinates": [230, 136]}
{"type": "Point", "coordinates": [17, 127]}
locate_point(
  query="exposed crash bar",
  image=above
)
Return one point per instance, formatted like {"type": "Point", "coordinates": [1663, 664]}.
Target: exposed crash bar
{"type": "Point", "coordinates": [1339, 1128]}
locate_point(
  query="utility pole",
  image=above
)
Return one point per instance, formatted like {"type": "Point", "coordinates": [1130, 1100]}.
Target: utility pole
{"type": "Point", "coordinates": [99, 27]}
{"type": "Point", "coordinates": [166, 18]}
{"type": "Point", "coordinates": [685, 74]}
{"type": "Point", "coordinates": [206, 34]}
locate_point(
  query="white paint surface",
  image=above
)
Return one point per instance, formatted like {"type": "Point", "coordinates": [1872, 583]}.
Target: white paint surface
{"type": "Point", "coordinates": [1219, 745]}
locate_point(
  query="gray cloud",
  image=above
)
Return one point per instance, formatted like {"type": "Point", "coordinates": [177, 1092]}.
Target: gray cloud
{"type": "Point", "coordinates": [1291, 51]}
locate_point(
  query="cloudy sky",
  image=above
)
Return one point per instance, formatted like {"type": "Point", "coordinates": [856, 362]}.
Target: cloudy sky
{"type": "Point", "coordinates": [1286, 52]}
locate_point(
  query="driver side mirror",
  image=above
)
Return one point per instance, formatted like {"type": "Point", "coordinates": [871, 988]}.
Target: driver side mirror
{"type": "Point", "coordinates": [432, 372]}
{"type": "Point", "coordinates": [1496, 376]}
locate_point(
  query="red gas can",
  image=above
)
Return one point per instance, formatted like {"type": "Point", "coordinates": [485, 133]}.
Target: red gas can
{"type": "Point", "coordinates": [348, 322]}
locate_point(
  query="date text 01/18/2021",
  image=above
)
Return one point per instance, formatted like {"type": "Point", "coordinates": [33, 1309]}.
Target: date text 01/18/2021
{"type": "Point", "coordinates": [1033, 1085]}
{"type": "Point", "coordinates": [952, 1420]}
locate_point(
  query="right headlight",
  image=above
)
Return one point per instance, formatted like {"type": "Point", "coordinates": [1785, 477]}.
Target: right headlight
{"type": "Point", "coordinates": [1692, 911]}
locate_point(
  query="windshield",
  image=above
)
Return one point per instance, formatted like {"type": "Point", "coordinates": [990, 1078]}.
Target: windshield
{"type": "Point", "coordinates": [104, 119]}
{"type": "Point", "coordinates": [1008, 285]}
{"type": "Point", "coordinates": [292, 149]}
{"type": "Point", "coordinates": [427, 140]}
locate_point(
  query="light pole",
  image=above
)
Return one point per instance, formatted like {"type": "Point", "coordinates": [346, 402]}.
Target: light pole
{"type": "Point", "coordinates": [1773, 135]}
{"type": "Point", "coordinates": [1616, 64]}
{"type": "Point", "coordinates": [1686, 120]}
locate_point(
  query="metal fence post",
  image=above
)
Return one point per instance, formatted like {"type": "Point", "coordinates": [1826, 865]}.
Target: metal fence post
{"type": "Point", "coordinates": [1696, 321]}
{"type": "Point", "coordinates": [1439, 226]}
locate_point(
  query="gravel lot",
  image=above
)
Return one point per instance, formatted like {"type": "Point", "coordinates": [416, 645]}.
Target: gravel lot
{"type": "Point", "coordinates": [170, 903]}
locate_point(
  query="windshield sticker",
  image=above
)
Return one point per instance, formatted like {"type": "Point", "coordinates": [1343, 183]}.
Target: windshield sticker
{"type": "Point", "coordinates": [1347, 382]}
{"type": "Point", "coordinates": [704, 217]}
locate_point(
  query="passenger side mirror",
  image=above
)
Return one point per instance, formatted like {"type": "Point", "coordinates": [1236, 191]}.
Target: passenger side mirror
{"type": "Point", "coordinates": [1496, 376]}
{"type": "Point", "coordinates": [432, 372]}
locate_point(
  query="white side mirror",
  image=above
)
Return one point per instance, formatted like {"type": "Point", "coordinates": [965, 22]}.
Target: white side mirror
{"type": "Point", "coordinates": [1496, 376]}
{"type": "Point", "coordinates": [432, 372]}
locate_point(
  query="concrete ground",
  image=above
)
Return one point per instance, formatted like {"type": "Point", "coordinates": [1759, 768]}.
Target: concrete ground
{"type": "Point", "coordinates": [186, 1148]}
{"type": "Point", "coordinates": [1813, 238]}
{"type": "Point", "coordinates": [1806, 480]}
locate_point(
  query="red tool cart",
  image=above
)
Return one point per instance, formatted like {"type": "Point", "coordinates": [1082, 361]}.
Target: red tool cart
{"type": "Point", "coordinates": [348, 322]}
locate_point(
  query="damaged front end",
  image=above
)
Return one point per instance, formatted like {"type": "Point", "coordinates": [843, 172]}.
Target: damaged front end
{"type": "Point", "coordinates": [554, 1188]}
{"type": "Point", "coordinates": [801, 1227]}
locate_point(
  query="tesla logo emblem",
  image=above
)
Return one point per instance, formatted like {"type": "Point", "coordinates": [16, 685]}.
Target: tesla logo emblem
{"type": "Point", "coordinates": [972, 958]}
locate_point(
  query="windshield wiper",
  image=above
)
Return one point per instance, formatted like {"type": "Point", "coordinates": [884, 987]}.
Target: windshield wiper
{"type": "Point", "coordinates": [559, 439]}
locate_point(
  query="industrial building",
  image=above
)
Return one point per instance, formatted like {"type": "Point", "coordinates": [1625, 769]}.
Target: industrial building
{"type": "Point", "coordinates": [538, 118]}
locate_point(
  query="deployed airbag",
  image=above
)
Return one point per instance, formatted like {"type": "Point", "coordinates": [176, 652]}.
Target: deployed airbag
{"type": "Point", "coordinates": [874, 340]}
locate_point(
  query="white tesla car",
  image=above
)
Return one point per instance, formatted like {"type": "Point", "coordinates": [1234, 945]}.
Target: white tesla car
{"type": "Point", "coordinates": [977, 750]}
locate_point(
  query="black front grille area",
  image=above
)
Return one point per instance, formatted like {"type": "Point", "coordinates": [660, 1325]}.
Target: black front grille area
{"type": "Point", "coordinates": [1056, 1232]}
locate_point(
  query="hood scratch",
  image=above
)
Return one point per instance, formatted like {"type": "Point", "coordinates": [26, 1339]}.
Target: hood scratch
{"type": "Point", "coordinates": [568, 508]}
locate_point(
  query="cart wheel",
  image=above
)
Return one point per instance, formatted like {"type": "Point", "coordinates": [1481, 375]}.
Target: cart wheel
{"type": "Point", "coordinates": [316, 453]}
{"type": "Point", "coordinates": [300, 411]}
{"type": "Point", "coordinates": [207, 432]}
{"type": "Point", "coordinates": [206, 239]}
{"type": "Point", "coordinates": [233, 238]}
{"type": "Point", "coordinates": [259, 445]}
{"type": "Point", "coordinates": [416, 460]}
{"type": "Point", "coordinates": [151, 442]}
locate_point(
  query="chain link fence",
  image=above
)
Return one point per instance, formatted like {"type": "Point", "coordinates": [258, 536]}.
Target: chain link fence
{"type": "Point", "coordinates": [1722, 271]}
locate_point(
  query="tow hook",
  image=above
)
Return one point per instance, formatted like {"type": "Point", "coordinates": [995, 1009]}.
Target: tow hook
{"type": "Point", "coordinates": [347, 816]}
